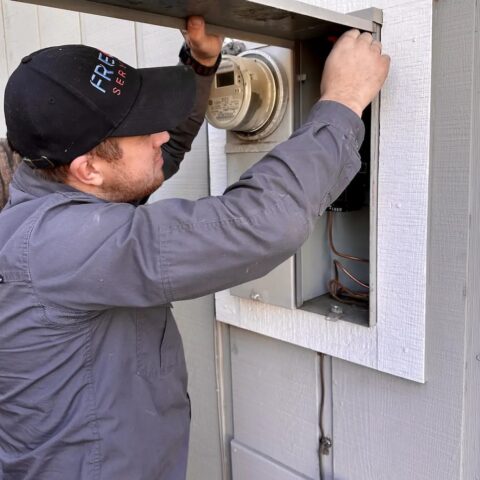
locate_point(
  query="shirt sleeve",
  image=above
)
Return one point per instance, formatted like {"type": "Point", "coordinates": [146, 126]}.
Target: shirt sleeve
{"type": "Point", "coordinates": [181, 138]}
{"type": "Point", "coordinates": [177, 249]}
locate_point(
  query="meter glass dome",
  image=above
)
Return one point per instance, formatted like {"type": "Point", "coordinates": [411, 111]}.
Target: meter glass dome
{"type": "Point", "coordinates": [248, 95]}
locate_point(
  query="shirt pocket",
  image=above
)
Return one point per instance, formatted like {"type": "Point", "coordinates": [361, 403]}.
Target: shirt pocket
{"type": "Point", "coordinates": [158, 342]}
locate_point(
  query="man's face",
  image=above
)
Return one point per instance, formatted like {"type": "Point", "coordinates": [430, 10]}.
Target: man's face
{"type": "Point", "coordinates": [139, 172]}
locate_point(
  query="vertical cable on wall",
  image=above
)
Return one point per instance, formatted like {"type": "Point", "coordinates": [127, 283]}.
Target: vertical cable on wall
{"type": "Point", "coordinates": [325, 442]}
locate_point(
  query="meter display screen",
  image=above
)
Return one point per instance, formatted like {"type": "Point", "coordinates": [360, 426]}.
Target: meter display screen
{"type": "Point", "coordinates": [225, 79]}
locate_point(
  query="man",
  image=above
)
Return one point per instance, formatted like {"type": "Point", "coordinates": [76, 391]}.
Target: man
{"type": "Point", "coordinates": [92, 373]}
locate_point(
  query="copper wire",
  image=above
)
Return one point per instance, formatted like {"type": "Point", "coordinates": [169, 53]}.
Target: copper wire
{"type": "Point", "coordinates": [330, 241]}
{"type": "Point", "coordinates": [337, 290]}
{"type": "Point", "coordinates": [338, 265]}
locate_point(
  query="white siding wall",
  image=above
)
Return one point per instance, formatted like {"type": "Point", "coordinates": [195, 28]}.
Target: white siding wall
{"type": "Point", "coordinates": [386, 428]}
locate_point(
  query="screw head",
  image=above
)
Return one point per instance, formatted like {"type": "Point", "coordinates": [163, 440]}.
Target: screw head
{"type": "Point", "coordinates": [336, 309]}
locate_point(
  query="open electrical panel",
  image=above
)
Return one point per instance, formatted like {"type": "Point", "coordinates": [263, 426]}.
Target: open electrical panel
{"type": "Point", "coordinates": [261, 96]}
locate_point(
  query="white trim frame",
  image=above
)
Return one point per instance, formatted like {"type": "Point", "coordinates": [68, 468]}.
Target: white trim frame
{"type": "Point", "coordinates": [396, 344]}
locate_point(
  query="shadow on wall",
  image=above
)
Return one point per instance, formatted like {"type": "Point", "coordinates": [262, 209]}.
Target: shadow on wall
{"type": "Point", "coordinates": [8, 162]}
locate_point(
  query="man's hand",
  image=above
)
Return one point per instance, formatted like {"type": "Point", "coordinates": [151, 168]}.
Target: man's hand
{"type": "Point", "coordinates": [205, 48]}
{"type": "Point", "coordinates": [354, 71]}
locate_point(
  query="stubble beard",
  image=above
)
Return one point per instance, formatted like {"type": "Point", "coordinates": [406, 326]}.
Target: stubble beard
{"type": "Point", "coordinates": [122, 190]}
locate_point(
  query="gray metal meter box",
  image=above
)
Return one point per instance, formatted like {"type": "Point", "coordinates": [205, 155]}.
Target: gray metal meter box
{"type": "Point", "coordinates": [305, 280]}
{"type": "Point", "coordinates": [261, 96]}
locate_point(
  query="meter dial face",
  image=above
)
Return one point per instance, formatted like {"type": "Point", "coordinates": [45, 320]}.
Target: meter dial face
{"type": "Point", "coordinates": [227, 96]}
{"type": "Point", "coordinates": [248, 95]}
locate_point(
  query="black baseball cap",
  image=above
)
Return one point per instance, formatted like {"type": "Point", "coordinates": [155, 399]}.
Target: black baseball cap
{"type": "Point", "coordinates": [63, 101]}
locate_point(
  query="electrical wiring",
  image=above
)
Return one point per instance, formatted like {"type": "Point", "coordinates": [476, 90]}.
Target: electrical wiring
{"type": "Point", "coordinates": [320, 413]}
{"type": "Point", "coordinates": [330, 242]}
{"type": "Point", "coordinates": [336, 288]}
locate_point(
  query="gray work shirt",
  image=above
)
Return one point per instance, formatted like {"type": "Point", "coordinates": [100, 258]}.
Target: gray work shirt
{"type": "Point", "coordinates": [93, 383]}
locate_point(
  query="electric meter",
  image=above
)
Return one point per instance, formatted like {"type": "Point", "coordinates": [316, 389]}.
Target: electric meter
{"type": "Point", "coordinates": [249, 95]}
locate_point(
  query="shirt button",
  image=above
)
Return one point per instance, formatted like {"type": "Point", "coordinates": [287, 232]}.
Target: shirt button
{"type": "Point", "coordinates": [1, 279]}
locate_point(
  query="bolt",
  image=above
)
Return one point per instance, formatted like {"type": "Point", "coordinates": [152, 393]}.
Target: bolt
{"type": "Point", "coordinates": [325, 445]}
{"type": "Point", "coordinates": [336, 309]}
{"type": "Point", "coordinates": [255, 296]}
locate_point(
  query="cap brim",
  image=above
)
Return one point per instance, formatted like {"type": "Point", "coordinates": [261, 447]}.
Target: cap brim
{"type": "Point", "coordinates": [165, 99]}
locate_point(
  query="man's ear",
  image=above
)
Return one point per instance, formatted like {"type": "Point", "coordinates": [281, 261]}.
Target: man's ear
{"type": "Point", "coordinates": [86, 170]}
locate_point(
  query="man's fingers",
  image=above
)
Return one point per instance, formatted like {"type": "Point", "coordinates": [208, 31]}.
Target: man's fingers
{"type": "Point", "coordinates": [195, 30]}
{"type": "Point", "coordinates": [195, 22]}
{"type": "Point", "coordinates": [354, 33]}
{"type": "Point", "coordinates": [386, 60]}
{"type": "Point", "coordinates": [204, 47]}
{"type": "Point", "coordinates": [355, 70]}
{"type": "Point", "coordinates": [197, 36]}
{"type": "Point", "coordinates": [366, 37]}
{"type": "Point", "coordinates": [377, 45]}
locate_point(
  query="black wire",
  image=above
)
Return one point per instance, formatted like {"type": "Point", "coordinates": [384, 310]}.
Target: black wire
{"type": "Point", "coordinates": [320, 414]}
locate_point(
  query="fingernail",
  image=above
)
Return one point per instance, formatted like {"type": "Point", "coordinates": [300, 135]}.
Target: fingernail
{"type": "Point", "coordinates": [195, 22]}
